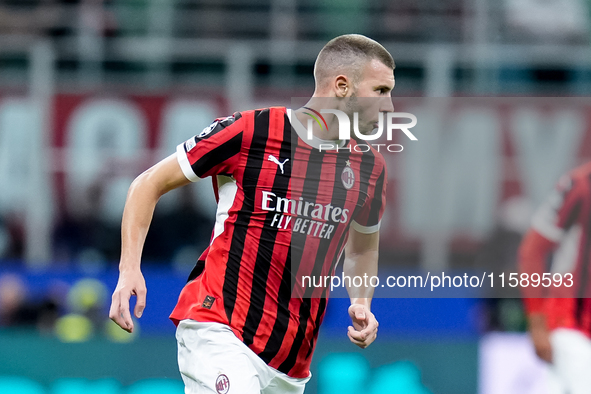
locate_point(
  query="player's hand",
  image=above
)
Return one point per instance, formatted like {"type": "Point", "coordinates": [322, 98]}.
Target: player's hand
{"type": "Point", "coordinates": [540, 336]}
{"type": "Point", "coordinates": [130, 283]}
{"type": "Point", "coordinates": [365, 326]}
{"type": "Point", "coordinates": [542, 345]}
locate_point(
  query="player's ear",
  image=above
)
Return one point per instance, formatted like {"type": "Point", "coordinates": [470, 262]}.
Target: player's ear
{"type": "Point", "coordinates": [342, 85]}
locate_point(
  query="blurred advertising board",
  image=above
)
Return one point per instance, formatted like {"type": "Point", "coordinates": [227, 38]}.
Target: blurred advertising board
{"type": "Point", "coordinates": [478, 162]}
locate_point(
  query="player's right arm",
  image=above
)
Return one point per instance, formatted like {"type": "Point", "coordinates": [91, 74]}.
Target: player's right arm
{"type": "Point", "coordinates": [143, 194]}
{"type": "Point", "coordinates": [214, 151]}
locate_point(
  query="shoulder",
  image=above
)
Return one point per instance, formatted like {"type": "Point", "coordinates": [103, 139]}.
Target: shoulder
{"type": "Point", "coordinates": [251, 118]}
{"type": "Point", "coordinates": [579, 177]}
{"type": "Point", "coordinates": [220, 124]}
{"type": "Point", "coordinates": [379, 158]}
{"type": "Point", "coordinates": [253, 113]}
{"type": "Point", "coordinates": [581, 172]}
{"type": "Point", "coordinates": [369, 153]}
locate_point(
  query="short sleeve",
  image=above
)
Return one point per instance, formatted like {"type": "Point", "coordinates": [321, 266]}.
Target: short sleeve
{"type": "Point", "coordinates": [214, 151]}
{"type": "Point", "coordinates": [560, 210]}
{"type": "Point", "coordinates": [369, 218]}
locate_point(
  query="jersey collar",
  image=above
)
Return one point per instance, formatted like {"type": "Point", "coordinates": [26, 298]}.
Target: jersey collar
{"type": "Point", "coordinates": [315, 142]}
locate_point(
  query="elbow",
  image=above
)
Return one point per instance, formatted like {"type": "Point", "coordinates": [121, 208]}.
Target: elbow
{"type": "Point", "coordinates": [137, 183]}
{"type": "Point", "coordinates": [144, 186]}
{"type": "Point", "coordinates": [533, 251]}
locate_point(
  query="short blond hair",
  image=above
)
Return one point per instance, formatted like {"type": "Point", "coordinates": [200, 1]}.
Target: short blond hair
{"type": "Point", "coordinates": [348, 54]}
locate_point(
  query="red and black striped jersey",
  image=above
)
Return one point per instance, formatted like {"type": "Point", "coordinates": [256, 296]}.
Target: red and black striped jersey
{"type": "Point", "coordinates": [564, 220]}
{"type": "Point", "coordinates": [284, 212]}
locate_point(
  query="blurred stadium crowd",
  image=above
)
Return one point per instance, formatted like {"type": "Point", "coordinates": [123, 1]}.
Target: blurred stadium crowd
{"type": "Point", "coordinates": [94, 91]}
{"type": "Point", "coordinates": [72, 313]}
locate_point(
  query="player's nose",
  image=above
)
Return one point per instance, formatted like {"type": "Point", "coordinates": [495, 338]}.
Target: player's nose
{"type": "Point", "coordinates": [387, 105]}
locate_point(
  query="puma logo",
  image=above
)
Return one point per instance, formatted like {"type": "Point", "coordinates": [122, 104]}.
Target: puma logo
{"type": "Point", "coordinates": [274, 160]}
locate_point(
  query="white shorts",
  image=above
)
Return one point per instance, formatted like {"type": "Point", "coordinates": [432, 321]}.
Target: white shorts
{"type": "Point", "coordinates": [571, 353]}
{"type": "Point", "coordinates": [213, 360]}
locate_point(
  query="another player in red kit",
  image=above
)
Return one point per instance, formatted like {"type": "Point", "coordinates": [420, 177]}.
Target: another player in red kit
{"type": "Point", "coordinates": [289, 205]}
{"type": "Point", "coordinates": [560, 325]}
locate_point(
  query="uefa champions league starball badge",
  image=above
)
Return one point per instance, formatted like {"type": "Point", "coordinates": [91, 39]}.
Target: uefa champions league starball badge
{"type": "Point", "coordinates": [348, 176]}
{"type": "Point", "coordinates": [208, 129]}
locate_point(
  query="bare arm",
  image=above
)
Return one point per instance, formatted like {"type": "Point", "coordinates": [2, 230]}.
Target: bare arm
{"type": "Point", "coordinates": [533, 254]}
{"type": "Point", "coordinates": [361, 259]}
{"type": "Point", "coordinates": [143, 194]}
{"type": "Point", "coordinates": [540, 335]}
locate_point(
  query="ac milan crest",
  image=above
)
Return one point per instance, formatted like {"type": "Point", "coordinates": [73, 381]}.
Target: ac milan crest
{"type": "Point", "coordinates": [348, 176]}
{"type": "Point", "coordinates": [222, 384]}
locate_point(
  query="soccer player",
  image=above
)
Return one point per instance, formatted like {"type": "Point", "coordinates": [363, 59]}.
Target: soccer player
{"type": "Point", "coordinates": [560, 326]}
{"type": "Point", "coordinates": [288, 206]}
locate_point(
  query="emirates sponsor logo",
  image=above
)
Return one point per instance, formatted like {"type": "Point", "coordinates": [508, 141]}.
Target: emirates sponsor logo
{"type": "Point", "coordinates": [303, 208]}
{"type": "Point", "coordinates": [302, 216]}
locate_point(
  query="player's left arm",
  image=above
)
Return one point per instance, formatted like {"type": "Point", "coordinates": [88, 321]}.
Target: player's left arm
{"type": "Point", "coordinates": [553, 219]}
{"type": "Point", "coordinates": [361, 259]}
{"type": "Point", "coordinates": [533, 254]}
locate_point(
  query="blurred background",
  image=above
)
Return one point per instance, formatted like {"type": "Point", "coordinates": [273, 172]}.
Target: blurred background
{"type": "Point", "coordinates": [92, 92]}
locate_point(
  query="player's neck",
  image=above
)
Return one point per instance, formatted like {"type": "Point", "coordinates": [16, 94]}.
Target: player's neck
{"type": "Point", "coordinates": [325, 126]}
